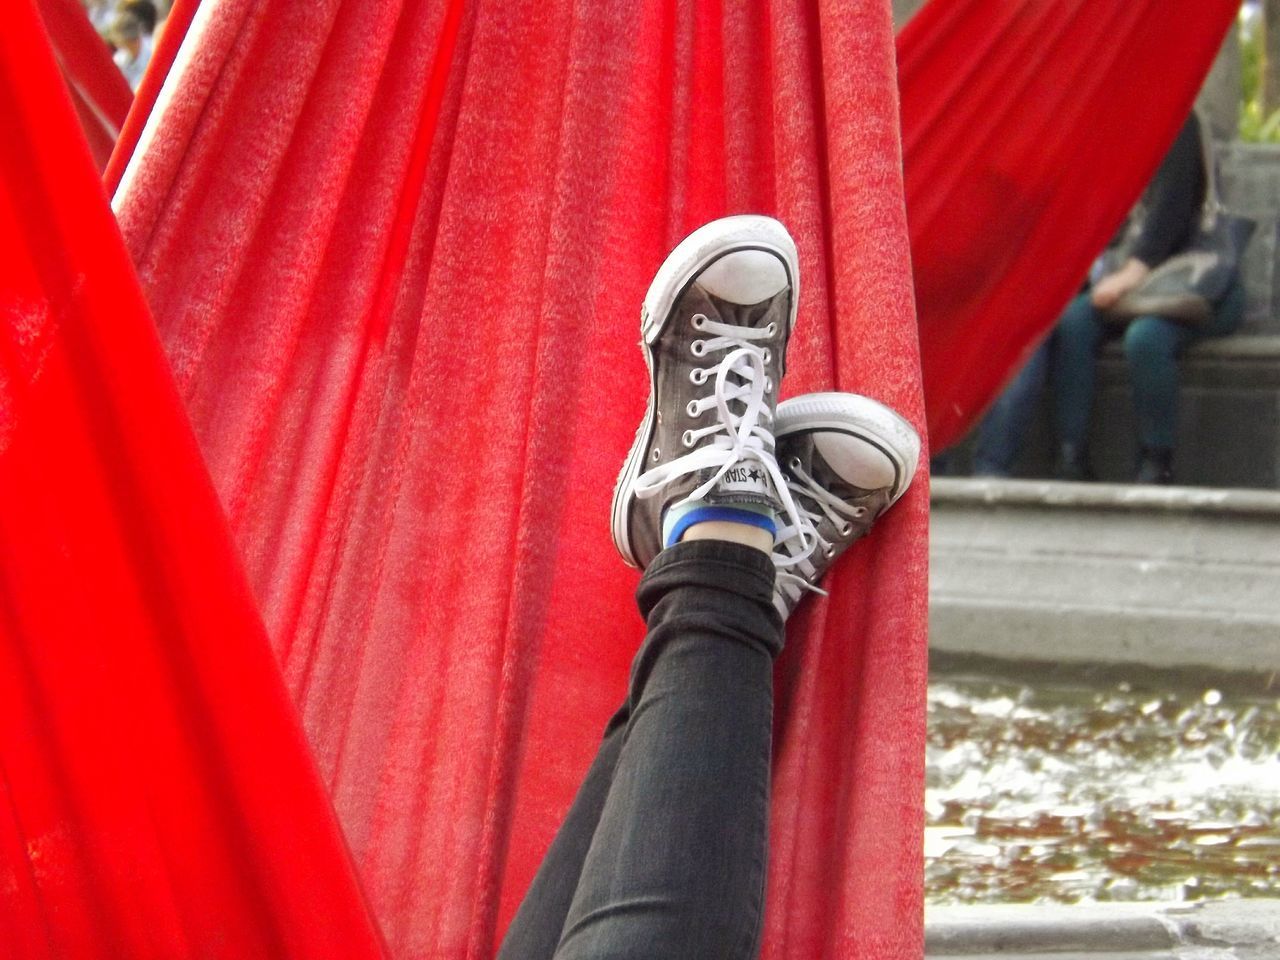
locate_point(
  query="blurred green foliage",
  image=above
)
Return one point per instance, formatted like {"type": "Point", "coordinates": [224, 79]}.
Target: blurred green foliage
{"type": "Point", "coordinates": [1257, 124]}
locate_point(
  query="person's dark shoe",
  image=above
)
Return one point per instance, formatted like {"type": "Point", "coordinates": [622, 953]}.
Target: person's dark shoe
{"type": "Point", "coordinates": [714, 327]}
{"type": "Point", "coordinates": [1155, 465]}
{"type": "Point", "coordinates": [1073, 463]}
{"type": "Point", "coordinates": [847, 459]}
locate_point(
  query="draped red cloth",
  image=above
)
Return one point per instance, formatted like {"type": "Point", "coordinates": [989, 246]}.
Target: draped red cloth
{"type": "Point", "coordinates": [168, 42]}
{"type": "Point", "coordinates": [98, 90]}
{"type": "Point", "coordinates": [157, 797]}
{"type": "Point", "coordinates": [1029, 130]}
{"type": "Point", "coordinates": [395, 254]}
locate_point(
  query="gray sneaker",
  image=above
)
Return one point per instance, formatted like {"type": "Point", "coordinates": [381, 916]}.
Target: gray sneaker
{"type": "Point", "coordinates": [847, 459]}
{"type": "Point", "coordinates": [714, 328]}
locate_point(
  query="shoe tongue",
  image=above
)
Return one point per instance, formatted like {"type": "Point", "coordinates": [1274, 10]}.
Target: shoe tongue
{"type": "Point", "coordinates": [747, 480]}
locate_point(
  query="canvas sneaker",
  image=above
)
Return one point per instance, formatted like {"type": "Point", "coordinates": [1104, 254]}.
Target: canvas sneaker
{"type": "Point", "coordinates": [714, 331]}
{"type": "Point", "coordinates": [847, 459]}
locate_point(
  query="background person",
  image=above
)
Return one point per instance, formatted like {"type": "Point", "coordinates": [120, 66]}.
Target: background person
{"type": "Point", "coordinates": [1152, 344]}
{"type": "Point", "coordinates": [128, 34]}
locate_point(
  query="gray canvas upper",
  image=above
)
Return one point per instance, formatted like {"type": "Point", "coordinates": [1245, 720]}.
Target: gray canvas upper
{"type": "Point", "coordinates": [674, 366]}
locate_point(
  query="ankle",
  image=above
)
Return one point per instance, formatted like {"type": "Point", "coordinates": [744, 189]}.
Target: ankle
{"type": "Point", "coordinates": [744, 533]}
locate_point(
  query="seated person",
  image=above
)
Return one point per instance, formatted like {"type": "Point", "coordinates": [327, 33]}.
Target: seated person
{"type": "Point", "coordinates": [1152, 344]}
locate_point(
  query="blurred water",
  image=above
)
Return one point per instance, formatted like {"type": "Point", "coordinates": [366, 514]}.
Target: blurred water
{"type": "Point", "coordinates": [1119, 788]}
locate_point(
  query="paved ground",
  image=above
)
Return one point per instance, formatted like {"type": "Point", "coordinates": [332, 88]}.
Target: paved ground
{"type": "Point", "coordinates": [1221, 930]}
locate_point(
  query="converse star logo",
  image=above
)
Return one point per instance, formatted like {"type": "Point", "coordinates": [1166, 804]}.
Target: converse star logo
{"type": "Point", "coordinates": [743, 475]}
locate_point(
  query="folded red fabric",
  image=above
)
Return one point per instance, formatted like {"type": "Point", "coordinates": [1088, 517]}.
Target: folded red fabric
{"type": "Point", "coordinates": [98, 90]}
{"type": "Point", "coordinates": [157, 796]}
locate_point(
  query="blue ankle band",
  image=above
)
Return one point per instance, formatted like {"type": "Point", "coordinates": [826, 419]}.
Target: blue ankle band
{"type": "Point", "coordinates": [705, 512]}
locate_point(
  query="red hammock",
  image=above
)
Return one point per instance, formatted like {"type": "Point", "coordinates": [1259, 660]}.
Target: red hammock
{"type": "Point", "coordinates": [98, 90]}
{"type": "Point", "coordinates": [157, 798]}
{"type": "Point", "coordinates": [395, 253]}
{"type": "Point", "coordinates": [1029, 129]}
{"type": "Point", "coordinates": [354, 473]}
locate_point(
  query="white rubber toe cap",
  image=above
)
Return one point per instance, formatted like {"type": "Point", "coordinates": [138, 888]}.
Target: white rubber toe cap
{"type": "Point", "coordinates": [745, 277]}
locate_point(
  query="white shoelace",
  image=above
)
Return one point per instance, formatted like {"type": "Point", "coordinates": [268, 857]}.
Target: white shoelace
{"type": "Point", "coordinates": [792, 554]}
{"type": "Point", "coordinates": [736, 438]}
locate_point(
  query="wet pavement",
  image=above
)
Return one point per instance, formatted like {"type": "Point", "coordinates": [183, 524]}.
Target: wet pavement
{"type": "Point", "coordinates": [1068, 786]}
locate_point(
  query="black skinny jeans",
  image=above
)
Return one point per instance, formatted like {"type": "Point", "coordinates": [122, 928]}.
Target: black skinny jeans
{"type": "Point", "coordinates": [663, 853]}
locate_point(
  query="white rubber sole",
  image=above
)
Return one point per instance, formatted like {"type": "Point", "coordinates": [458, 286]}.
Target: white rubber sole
{"type": "Point", "coordinates": [863, 417]}
{"type": "Point", "coordinates": [690, 257]}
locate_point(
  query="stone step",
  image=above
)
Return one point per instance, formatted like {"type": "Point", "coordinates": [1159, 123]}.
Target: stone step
{"type": "Point", "coordinates": [1212, 930]}
{"type": "Point", "coordinates": [1099, 573]}
{"type": "Point", "coordinates": [1091, 955]}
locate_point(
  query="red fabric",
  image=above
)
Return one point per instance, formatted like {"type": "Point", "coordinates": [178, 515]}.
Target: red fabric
{"type": "Point", "coordinates": [396, 253]}
{"type": "Point", "coordinates": [168, 41]}
{"type": "Point", "coordinates": [98, 90]}
{"type": "Point", "coordinates": [157, 798]}
{"type": "Point", "coordinates": [1029, 131]}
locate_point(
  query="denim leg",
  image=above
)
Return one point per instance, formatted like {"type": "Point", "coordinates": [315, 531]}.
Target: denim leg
{"type": "Point", "coordinates": [1005, 425]}
{"type": "Point", "coordinates": [1152, 346]}
{"type": "Point", "coordinates": [676, 866]}
{"type": "Point", "coordinates": [1078, 336]}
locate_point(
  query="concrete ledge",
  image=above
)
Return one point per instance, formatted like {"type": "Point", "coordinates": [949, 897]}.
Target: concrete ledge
{"type": "Point", "coordinates": [1242, 347]}
{"type": "Point", "coordinates": [947, 491]}
{"type": "Point", "coordinates": [1043, 570]}
{"type": "Point", "coordinates": [1216, 930]}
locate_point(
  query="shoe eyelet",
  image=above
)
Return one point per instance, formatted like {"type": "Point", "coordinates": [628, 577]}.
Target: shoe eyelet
{"type": "Point", "coordinates": [846, 529]}
{"type": "Point", "coordinates": [697, 321]}
{"type": "Point", "coordinates": [692, 409]}
{"type": "Point", "coordinates": [794, 463]}
{"type": "Point", "coordinates": [698, 376]}
{"type": "Point", "coordinates": [688, 439]}
{"type": "Point", "coordinates": [829, 552]}
{"type": "Point", "coordinates": [768, 355]}
{"type": "Point", "coordinates": [768, 384]}
{"type": "Point", "coordinates": [698, 348]}
{"type": "Point", "coordinates": [859, 511]}
{"type": "Point", "coordinates": [772, 329]}
{"type": "Point", "coordinates": [657, 454]}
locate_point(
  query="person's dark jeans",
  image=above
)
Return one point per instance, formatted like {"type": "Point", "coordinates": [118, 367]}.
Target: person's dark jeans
{"type": "Point", "coordinates": [663, 853]}
{"type": "Point", "coordinates": [1004, 426]}
{"type": "Point", "coordinates": [1152, 346]}
{"type": "Point", "coordinates": [1068, 361]}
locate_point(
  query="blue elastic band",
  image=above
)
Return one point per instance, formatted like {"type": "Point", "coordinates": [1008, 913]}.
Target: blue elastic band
{"type": "Point", "coordinates": [727, 514]}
